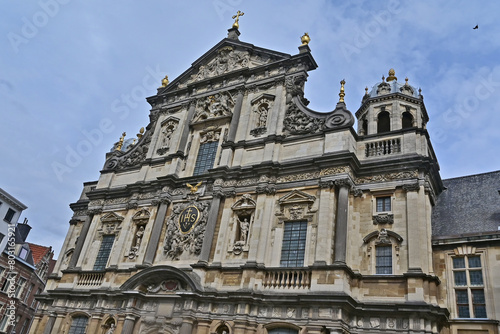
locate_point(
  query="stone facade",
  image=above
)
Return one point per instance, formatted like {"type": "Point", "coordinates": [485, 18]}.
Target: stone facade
{"type": "Point", "coordinates": [241, 210]}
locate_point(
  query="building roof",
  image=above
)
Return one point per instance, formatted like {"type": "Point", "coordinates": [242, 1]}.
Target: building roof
{"type": "Point", "coordinates": [468, 205]}
{"type": "Point", "coordinates": [38, 252]}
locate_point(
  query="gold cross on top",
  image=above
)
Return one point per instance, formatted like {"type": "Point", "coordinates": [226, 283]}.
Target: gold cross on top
{"type": "Point", "coordinates": [237, 17]}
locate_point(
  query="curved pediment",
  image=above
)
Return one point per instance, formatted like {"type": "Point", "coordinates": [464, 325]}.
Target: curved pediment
{"type": "Point", "coordinates": [162, 279]}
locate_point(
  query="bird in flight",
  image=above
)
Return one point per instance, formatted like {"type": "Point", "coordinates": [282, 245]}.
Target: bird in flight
{"type": "Point", "coordinates": [476, 27]}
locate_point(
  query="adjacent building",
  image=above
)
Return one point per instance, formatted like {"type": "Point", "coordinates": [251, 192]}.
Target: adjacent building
{"type": "Point", "coordinates": [24, 268]}
{"type": "Point", "coordinates": [241, 210]}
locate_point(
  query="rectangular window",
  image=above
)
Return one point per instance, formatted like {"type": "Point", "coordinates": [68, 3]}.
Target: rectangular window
{"type": "Point", "coordinates": [4, 324]}
{"type": "Point", "coordinates": [28, 293]}
{"type": "Point", "coordinates": [9, 215]}
{"type": "Point", "coordinates": [469, 287]}
{"type": "Point", "coordinates": [206, 157]}
{"type": "Point", "coordinates": [24, 329]}
{"type": "Point", "coordinates": [383, 255]}
{"type": "Point", "coordinates": [78, 325]}
{"type": "Point", "coordinates": [34, 303]}
{"type": "Point", "coordinates": [104, 251]}
{"type": "Point", "coordinates": [20, 286]}
{"type": "Point", "coordinates": [294, 244]}
{"type": "Point", "coordinates": [384, 204]}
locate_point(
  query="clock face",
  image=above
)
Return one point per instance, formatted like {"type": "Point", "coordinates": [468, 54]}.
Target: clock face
{"type": "Point", "coordinates": [188, 218]}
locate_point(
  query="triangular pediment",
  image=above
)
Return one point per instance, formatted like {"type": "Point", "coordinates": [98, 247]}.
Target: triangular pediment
{"type": "Point", "coordinates": [296, 196]}
{"type": "Point", "coordinates": [225, 58]}
{"type": "Point", "coordinates": [111, 217]}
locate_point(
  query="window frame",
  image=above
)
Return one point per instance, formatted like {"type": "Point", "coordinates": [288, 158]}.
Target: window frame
{"type": "Point", "coordinates": [467, 288]}
{"type": "Point", "coordinates": [387, 255]}
{"type": "Point", "coordinates": [205, 158]}
{"type": "Point", "coordinates": [384, 199]}
{"type": "Point", "coordinates": [293, 261]}
{"type": "Point", "coordinates": [76, 327]}
{"type": "Point", "coordinates": [102, 258]}
{"type": "Point", "coordinates": [9, 215]}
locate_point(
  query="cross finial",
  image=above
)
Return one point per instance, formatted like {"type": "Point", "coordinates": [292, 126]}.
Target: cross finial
{"type": "Point", "coordinates": [237, 17]}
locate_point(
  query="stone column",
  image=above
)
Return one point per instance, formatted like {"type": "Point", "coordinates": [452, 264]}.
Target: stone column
{"type": "Point", "coordinates": [50, 323]}
{"type": "Point", "coordinates": [203, 327]}
{"type": "Point", "coordinates": [58, 324]}
{"type": "Point", "coordinates": [233, 127]}
{"type": "Point", "coordinates": [416, 227]}
{"type": "Point", "coordinates": [210, 228]}
{"type": "Point", "coordinates": [155, 233]}
{"type": "Point", "coordinates": [81, 239]}
{"type": "Point", "coordinates": [341, 220]}
{"type": "Point", "coordinates": [128, 324]}
{"type": "Point", "coordinates": [186, 326]}
{"type": "Point", "coordinates": [323, 252]}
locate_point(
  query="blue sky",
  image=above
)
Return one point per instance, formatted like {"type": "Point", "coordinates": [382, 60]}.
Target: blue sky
{"type": "Point", "coordinates": [75, 75]}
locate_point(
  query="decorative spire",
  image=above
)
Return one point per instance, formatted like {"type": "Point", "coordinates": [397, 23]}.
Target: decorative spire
{"type": "Point", "coordinates": [383, 78]}
{"type": "Point", "coordinates": [120, 142]}
{"type": "Point", "coordinates": [342, 94]}
{"type": "Point", "coordinates": [305, 39]}
{"type": "Point", "coordinates": [366, 90]}
{"type": "Point", "coordinates": [236, 23]}
{"type": "Point", "coordinates": [164, 82]}
{"type": "Point", "coordinates": [406, 81]}
{"type": "Point", "coordinates": [392, 75]}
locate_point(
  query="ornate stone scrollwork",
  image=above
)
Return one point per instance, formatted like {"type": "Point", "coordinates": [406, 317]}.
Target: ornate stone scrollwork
{"type": "Point", "coordinates": [411, 187]}
{"type": "Point", "coordinates": [168, 127]}
{"type": "Point", "coordinates": [383, 88]}
{"type": "Point", "coordinates": [383, 218]}
{"type": "Point", "coordinates": [297, 122]}
{"type": "Point", "coordinates": [243, 217]}
{"type": "Point", "coordinates": [133, 157]}
{"type": "Point", "coordinates": [185, 238]}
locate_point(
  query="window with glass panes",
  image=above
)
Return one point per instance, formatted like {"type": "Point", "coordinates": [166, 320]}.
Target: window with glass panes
{"type": "Point", "coordinates": [383, 256]}
{"type": "Point", "coordinates": [282, 331]}
{"type": "Point", "coordinates": [294, 244]}
{"type": "Point", "coordinates": [103, 255]}
{"type": "Point", "coordinates": [78, 325]}
{"type": "Point", "coordinates": [206, 157]}
{"type": "Point", "coordinates": [469, 286]}
{"type": "Point", "coordinates": [384, 204]}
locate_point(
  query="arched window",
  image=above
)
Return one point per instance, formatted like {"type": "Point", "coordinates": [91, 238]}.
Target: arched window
{"type": "Point", "coordinates": [407, 120]}
{"type": "Point", "coordinates": [78, 325]}
{"type": "Point", "coordinates": [283, 331]}
{"type": "Point", "coordinates": [383, 122]}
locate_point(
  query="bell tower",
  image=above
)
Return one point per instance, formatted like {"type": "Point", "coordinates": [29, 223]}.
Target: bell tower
{"type": "Point", "coordinates": [391, 106]}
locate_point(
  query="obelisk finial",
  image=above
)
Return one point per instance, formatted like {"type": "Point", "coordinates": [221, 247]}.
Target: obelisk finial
{"type": "Point", "coordinates": [342, 93]}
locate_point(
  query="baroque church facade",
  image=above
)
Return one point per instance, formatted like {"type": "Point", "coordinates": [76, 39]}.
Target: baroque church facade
{"type": "Point", "coordinates": [241, 210]}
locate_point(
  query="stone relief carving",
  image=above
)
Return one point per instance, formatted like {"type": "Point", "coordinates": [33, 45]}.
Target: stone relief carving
{"type": "Point", "coordinates": [188, 242]}
{"type": "Point", "coordinates": [387, 177]}
{"type": "Point", "coordinates": [296, 205]}
{"type": "Point", "coordinates": [167, 285]}
{"type": "Point", "coordinates": [213, 106]}
{"type": "Point", "coordinates": [168, 127]}
{"type": "Point", "coordinates": [383, 218]}
{"type": "Point", "coordinates": [226, 60]}
{"type": "Point", "coordinates": [209, 135]}
{"type": "Point", "coordinates": [110, 224]}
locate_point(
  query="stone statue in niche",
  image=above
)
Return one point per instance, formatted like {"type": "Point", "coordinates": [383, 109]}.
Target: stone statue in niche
{"type": "Point", "coordinates": [167, 131]}
{"type": "Point", "coordinates": [262, 111]}
{"type": "Point", "coordinates": [244, 227]}
{"type": "Point", "coordinates": [111, 329]}
{"type": "Point", "coordinates": [134, 250]}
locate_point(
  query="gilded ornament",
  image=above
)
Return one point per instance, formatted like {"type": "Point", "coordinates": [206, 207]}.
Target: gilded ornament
{"type": "Point", "coordinates": [120, 142]}
{"type": "Point", "coordinates": [342, 93]}
{"type": "Point", "coordinates": [194, 188]}
{"type": "Point", "coordinates": [236, 23]}
{"type": "Point", "coordinates": [392, 75]}
{"type": "Point", "coordinates": [305, 39]}
{"type": "Point", "coordinates": [164, 82]}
